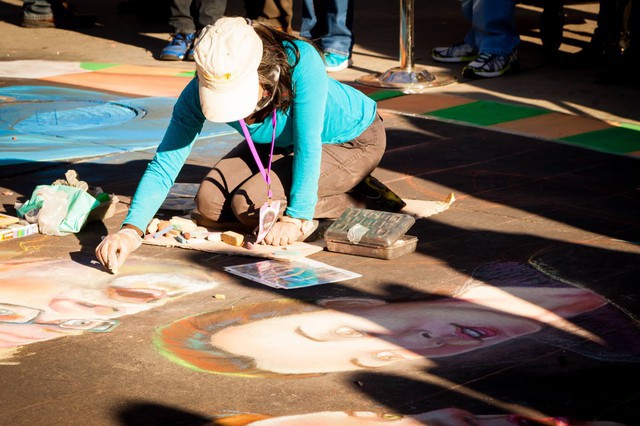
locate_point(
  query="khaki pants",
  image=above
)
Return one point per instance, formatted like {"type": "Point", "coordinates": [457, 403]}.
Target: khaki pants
{"type": "Point", "coordinates": [235, 187]}
{"type": "Point", "coordinates": [277, 13]}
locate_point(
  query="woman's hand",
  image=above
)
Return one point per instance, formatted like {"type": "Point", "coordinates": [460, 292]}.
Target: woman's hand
{"type": "Point", "coordinates": [115, 248]}
{"type": "Point", "coordinates": [285, 231]}
{"type": "Point", "coordinates": [289, 230]}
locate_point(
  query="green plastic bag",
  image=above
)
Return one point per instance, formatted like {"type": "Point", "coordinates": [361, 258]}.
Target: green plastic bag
{"type": "Point", "coordinates": [58, 209]}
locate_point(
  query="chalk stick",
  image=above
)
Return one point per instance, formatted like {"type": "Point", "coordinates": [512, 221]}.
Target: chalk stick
{"type": "Point", "coordinates": [214, 236]}
{"type": "Point", "coordinates": [232, 238]}
{"type": "Point", "coordinates": [163, 231]}
{"type": "Point", "coordinates": [152, 227]}
{"type": "Point", "coordinates": [6, 220]}
{"type": "Point", "coordinates": [198, 232]}
{"type": "Point", "coordinates": [163, 224]}
{"type": "Point", "coordinates": [183, 224]}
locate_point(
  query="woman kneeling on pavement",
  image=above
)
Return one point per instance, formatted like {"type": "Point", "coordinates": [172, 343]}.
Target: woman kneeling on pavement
{"type": "Point", "coordinates": [309, 139]}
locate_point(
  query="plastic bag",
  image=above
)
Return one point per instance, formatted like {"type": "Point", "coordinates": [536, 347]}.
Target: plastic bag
{"type": "Point", "coordinates": [58, 209]}
{"type": "Point", "coordinates": [53, 211]}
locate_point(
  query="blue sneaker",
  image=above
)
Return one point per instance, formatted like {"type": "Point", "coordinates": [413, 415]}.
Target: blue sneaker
{"type": "Point", "coordinates": [336, 62]}
{"type": "Point", "coordinates": [190, 53]}
{"type": "Point", "coordinates": [177, 49]}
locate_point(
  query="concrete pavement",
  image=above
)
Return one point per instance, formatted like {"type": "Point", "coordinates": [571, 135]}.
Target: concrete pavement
{"type": "Point", "coordinates": [520, 299]}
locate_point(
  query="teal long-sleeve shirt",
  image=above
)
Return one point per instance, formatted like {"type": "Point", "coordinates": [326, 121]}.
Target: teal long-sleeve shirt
{"type": "Point", "coordinates": [323, 110]}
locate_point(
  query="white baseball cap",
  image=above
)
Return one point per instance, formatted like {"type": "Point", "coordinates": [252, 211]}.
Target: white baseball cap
{"type": "Point", "coordinates": [227, 56]}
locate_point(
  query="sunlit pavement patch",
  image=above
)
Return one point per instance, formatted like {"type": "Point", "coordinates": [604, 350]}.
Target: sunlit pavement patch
{"type": "Point", "coordinates": [42, 123]}
{"type": "Point", "coordinates": [585, 132]}
{"type": "Point", "coordinates": [39, 69]}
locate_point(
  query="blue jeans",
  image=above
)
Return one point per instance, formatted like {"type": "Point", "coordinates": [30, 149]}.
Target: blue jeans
{"type": "Point", "coordinates": [493, 28]}
{"type": "Point", "coordinates": [189, 16]}
{"type": "Point", "coordinates": [334, 28]}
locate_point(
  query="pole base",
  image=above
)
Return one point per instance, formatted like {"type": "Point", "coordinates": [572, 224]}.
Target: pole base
{"type": "Point", "coordinates": [413, 80]}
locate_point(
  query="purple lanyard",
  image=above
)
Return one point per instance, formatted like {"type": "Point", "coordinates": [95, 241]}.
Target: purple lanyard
{"type": "Point", "coordinates": [265, 173]}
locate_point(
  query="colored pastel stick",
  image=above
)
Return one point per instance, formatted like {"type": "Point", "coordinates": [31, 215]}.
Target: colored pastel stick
{"type": "Point", "coordinates": [162, 232]}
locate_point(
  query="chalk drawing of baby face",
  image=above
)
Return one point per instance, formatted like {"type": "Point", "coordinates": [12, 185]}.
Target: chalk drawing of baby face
{"type": "Point", "coordinates": [46, 299]}
{"type": "Point", "coordinates": [446, 416]}
{"type": "Point", "coordinates": [346, 334]}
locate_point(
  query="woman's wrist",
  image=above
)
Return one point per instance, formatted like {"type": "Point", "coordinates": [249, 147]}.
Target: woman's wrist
{"type": "Point", "coordinates": [133, 227]}
{"type": "Point", "coordinates": [289, 219]}
{"type": "Point", "coordinates": [304, 225]}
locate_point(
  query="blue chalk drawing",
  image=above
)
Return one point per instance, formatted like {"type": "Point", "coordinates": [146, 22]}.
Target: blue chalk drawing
{"type": "Point", "coordinates": [46, 123]}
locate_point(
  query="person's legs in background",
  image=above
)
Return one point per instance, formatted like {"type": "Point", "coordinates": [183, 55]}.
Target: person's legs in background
{"type": "Point", "coordinates": [338, 41]}
{"type": "Point", "coordinates": [187, 18]}
{"type": "Point", "coordinates": [332, 23]}
{"type": "Point", "coordinates": [490, 45]}
{"type": "Point", "coordinates": [37, 14]}
{"type": "Point", "coordinates": [276, 13]}
{"type": "Point", "coordinates": [53, 14]}
{"type": "Point", "coordinates": [207, 13]}
{"type": "Point", "coordinates": [493, 32]}
{"type": "Point", "coordinates": [184, 29]}
{"type": "Point", "coordinates": [614, 49]}
{"type": "Point", "coordinates": [605, 42]}
{"type": "Point", "coordinates": [309, 25]}
{"type": "Point", "coordinates": [463, 51]}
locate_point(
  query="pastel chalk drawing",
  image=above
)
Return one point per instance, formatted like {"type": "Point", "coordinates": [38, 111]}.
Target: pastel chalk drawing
{"type": "Point", "coordinates": [39, 69]}
{"type": "Point", "coordinates": [451, 416]}
{"type": "Point", "coordinates": [47, 299]}
{"type": "Point", "coordinates": [45, 123]}
{"type": "Point", "coordinates": [499, 304]}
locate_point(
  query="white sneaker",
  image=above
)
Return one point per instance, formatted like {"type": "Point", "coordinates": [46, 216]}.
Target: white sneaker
{"type": "Point", "coordinates": [336, 62]}
{"type": "Point", "coordinates": [459, 52]}
{"type": "Point", "coordinates": [491, 65]}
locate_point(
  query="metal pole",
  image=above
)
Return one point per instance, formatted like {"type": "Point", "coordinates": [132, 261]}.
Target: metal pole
{"type": "Point", "coordinates": [406, 34]}
{"type": "Point", "coordinates": [407, 77]}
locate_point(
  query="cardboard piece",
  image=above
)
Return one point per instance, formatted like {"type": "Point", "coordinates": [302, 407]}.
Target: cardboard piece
{"type": "Point", "coordinates": [286, 253]}
{"type": "Point", "coordinates": [421, 209]}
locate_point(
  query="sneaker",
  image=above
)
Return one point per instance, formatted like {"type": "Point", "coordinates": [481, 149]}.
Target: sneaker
{"type": "Point", "coordinates": [177, 48]}
{"type": "Point", "coordinates": [335, 62]}
{"type": "Point", "coordinates": [379, 196]}
{"type": "Point", "coordinates": [459, 52]}
{"type": "Point", "coordinates": [34, 20]}
{"type": "Point", "coordinates": [61, 16]}
{"type": "Point", "coordinates": [190, 53]}
{"type": "Point", "coordinates": [491, 65]}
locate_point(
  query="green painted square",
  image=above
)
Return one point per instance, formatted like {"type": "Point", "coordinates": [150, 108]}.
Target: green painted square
{"type": "Point", "coordinates": [95, 66]}
{"type": "Point", "coordinates": [487, 113]}
{"type": "Point", "coordinates": [631, 126]}
{"type": "Point", "coordinates": [616, 140]}
{"type": "Point", "coordinates": [381, 95]}
{"type": "Point", "coordinates": [186, 74]}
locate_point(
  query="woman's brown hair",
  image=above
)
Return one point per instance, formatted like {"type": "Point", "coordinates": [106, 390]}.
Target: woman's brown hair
{"type": "Point", "coordinates": [275, 71]}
